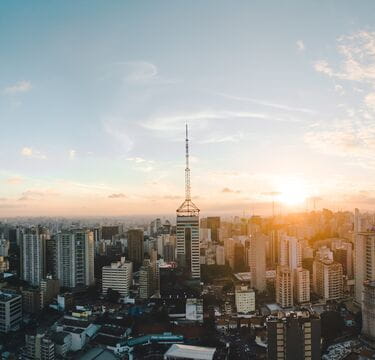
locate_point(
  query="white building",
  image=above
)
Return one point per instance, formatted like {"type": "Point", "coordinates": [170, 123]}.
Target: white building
{"type": "Point", "coordinates": [194, 309]}
{"type": "Point", "coordinates": [245, 299]}
{"type": "Point", "coordinates": [368, 311]}
{"type": "Point", "coordinates": [301, 285]}
{"type": "Point", "coordinates": [328, 279]}
{"type": "Point", "coordinates": [4, 247]}
{"type": "Point", "coordinates": [10, 311]}
{"type": "Point", "coordinates": [33, 255]}
{"type": "Point", "coordinates": [284, 286]}
{"type": "Point", "coordinates": [75, 258]}
{"type": "Point", "coordinates": [118, 276]}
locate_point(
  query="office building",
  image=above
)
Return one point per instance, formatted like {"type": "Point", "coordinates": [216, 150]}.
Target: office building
{"type": "Point", "coordinates": [257, 260]}
{"type": "Point", "coordinates": [146, 280]}
{"type": "Point", "coordinates": [194, 310]}
{"type": "Point", "coordinates": [220, 255]}
{"type": "Point", "coordinates": [187, 228]}
{"type": "Point", "coordinates": [294, 336]}
{"type": "Point", "coordinates": [284, 286]}
{"type": "Point", "coordinates": [364, 261]}
{"type": "Point", "coordinates": [328, 279]}
{"type": "Point", "coordinates": [117, 276]}
{"type": "Point", "coordinates": [75, 258]}
{"type": "Point", "coordinates": [245, 299]}
{"type": "Point", "coordinates": [189, 352]}
{"type": "Point", "coordinates": [49, 289]}
{"type": "Point", "coordinates": [4, 247]}
{"type": "Point", "coordinates": [213, 223]}
{"type": "Point", "coordinates": [10, 311]}
{"type": "Point", "coordinates": [368, 311]}
{"type": "Point", "coordinates": [301, 285]}
{"type": "Point", "coordinates": [33, 255]}
{"type": "Point", "coordinates": [136, 246]}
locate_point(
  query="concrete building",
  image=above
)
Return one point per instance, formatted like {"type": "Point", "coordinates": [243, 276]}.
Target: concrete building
{"type": "Point", "coordinates": [328, 279]}
{"type": "Point", "coordinates": [257, 261]}
{"type": "Point", "coordinates": [10, 311]}
{"type": "Point", "coordinates": [293, 336]}
{"type": "Point", "coordinates": [49, 289]}
{"type": "Point", "coordinates": [4, 247]}
{"type": "Point", "coordinates": [146, 280]}
{"type": "Point", "coordinates": [75, 258]}
{"type": "Point", "coordinates": [364, 261]}
{"type": "Point", "coordinates": [136, 246]}
{"type": "Point", "coordinates": [368, 311]}
{"type": "Point", "coordinates": [33, 255]}
{"type": "Point", "coordinates": [245, 299]}
{"type": "Point", "coordinates": [194, 310]}
{"type": "Point", "coordinates": [284, 286]}
{"type": "Point", "coordinates": [301, 285]}
{"type": "Point", "coordinates": [169, 252]}
{"type": "Point", "coordinates": [118, 276]}
{"type": "Point", "coordinates": [220, 255]}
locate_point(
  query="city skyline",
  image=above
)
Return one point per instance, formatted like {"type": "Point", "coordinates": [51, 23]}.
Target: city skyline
{"type": "Point", "coordinates": [94, 101]}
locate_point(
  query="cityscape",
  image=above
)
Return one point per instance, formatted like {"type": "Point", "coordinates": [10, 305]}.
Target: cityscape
{"type": "Point", "coordinates": [146, 213]}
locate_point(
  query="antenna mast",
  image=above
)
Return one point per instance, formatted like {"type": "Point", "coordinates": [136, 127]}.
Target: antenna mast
{"type": "Point", "coordinates": [187, 169]}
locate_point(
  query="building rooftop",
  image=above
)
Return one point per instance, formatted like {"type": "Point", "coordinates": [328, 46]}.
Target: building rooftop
{"type": "Point", "coordinates": [190, 352]}
{"type": "Point", "coordinates": [7, 295]}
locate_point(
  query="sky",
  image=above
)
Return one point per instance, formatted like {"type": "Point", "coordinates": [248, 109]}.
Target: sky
{"type": "Point", "coordinates": [94, 96]}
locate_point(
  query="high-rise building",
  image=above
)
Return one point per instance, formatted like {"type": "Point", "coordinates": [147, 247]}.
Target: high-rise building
{"type": "Point", "coordinates": [284, 286]}
{"type": "Point", "coordinates": [364, 261]}
{"type": "Point", "coordinates": [294, 336]}
{"type": "Point", "coordinates": [328, 279]}
{"type": "Point", "coordinates": [213, 223]}
{"type": "Point", "coordinates": [75, 258]}
{"type": "Point", "coordinates": [301, 285]}
{"type": "Point", "coordinates": [117, 276]}
{"type": "Point", "coordinates": [10, 311]}
{"type": "Point", "coordinates": [49, 288]}
{"type": "Point", "coordinates": [220, 255]}
{"type": "Point", "coordinates": [169, 252]}
{"type": "Point", "coordinates": [187, 231]}
{"type": "Point", "coordinates": [136, 246]}
{"type": "Point", "coordinates": [245, 299]}
{"type": "Point", "coordinates": [290, 252]}
{"type": "Point", "coordinates": [4, 247]}
{"type": "Point", "coordinates": [33, 255]}
{"type": "Point", "coordinates": [257, 261]}
{"type": "Point", "coordinates": [146, 280]}
{"type": "Point", "coordinates": [368, 311]}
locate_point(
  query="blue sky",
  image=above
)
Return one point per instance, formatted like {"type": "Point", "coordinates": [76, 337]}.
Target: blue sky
{"type": "Point", "coordinates": [94, 97]}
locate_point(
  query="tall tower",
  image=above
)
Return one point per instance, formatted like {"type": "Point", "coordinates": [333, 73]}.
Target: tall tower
{"type": "Point", "coordinates": [188, 250]}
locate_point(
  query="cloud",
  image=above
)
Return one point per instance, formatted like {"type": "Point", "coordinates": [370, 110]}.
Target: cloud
{"type": "Point", "coordinates": [14, 180]}
{"type": "Point", "coordinates": [136, 159]}
{"type": "Point", "coordinates": [269, 104]}
{"type": "Point", "coordinates": [345, 138]}
{"type": "Point", "coordinates": [228, 190]}
{"type": "Point", "coordinates": [72, 154]}
{"type": "Point", "coordinates": [19, 87]}
{"type": "Point", "coordinates": [141, 71]}
{"type": "Point", "coordinates": [32, 153]}
{"type": "Point", "coordinates": [323, 67]}
{"type": "Point", "coordinates": [224, 138]}
{"type": "Point", "coordinates": [300, 45]}
{"type": "Point", "coordinates": [117, 196]}
{"type": "Point", "coordinates": [120, 134]}
{"type": "Point", "coordinates": [358, 58]}
{"type": "Point", "coordinates": [31, 195]}
{"type": "Point", "coordinates": [271, 193]}
{"type": "Point", "coordinates": [339, 89]}
{"type": "Point", "coordinates": [370, 101]}
{"type": "Point", "coordinates": [202, 118]}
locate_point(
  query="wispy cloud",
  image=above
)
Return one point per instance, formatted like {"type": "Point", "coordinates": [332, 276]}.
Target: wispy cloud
{"type": "Point", "coordinates": [300, 45]}
{"type": "Point", "coordinates": [32, 153]}
{"type": "Point", "coordinates": [223, 139]}
{"type": "Point", "coordinates": [72, 154]}
{"type": "Point", "coordinates": [112, 126]}
{"type": "Point", "coordinates": [117, 196]}
{"type": "Point", "coordinates": [19, 87]}
{"type": "Point", "coordinates": [269, 104]}
{"type": "Point", "coordinates": [230, 191]}
{"type": "Point", "coordinates": [14, 180]}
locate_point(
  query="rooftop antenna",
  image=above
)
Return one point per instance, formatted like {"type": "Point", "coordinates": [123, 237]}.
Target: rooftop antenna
{"type": "Point", "coordinates": [187, 208]}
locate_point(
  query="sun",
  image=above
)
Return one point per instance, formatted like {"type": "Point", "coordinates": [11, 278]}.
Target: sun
{"type": "Point", "coordinates": [292, 192]}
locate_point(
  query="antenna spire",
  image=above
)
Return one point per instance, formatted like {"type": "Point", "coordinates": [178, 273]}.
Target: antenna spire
{"type": "Point", "coordinates": [187, 168]}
